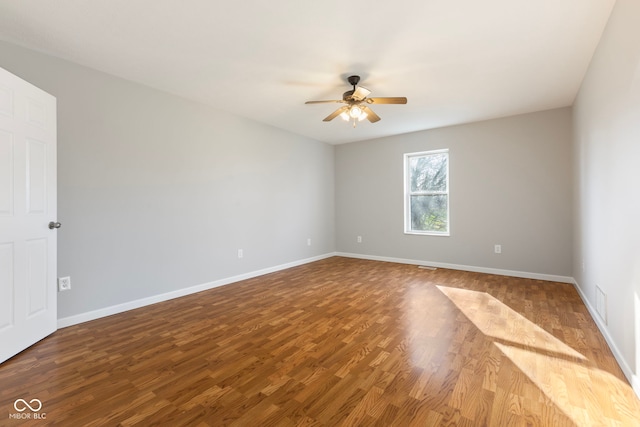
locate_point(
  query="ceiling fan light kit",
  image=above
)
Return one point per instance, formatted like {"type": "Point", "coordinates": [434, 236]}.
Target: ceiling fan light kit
{"type": "Point", "coordinates": [356, 100]}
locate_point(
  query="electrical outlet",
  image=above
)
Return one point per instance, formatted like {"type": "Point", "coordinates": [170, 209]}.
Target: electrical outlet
{"type": "Point", "coordinates": [497, 249]}
{"type": "Point", "coordinates": [359, 239]}
{"type": "Point", "coordinates": [64, 283]}
{"type": "Point", "coordinates": [309, 242]}
{"type": "Point", "coordinates": [240, 253]}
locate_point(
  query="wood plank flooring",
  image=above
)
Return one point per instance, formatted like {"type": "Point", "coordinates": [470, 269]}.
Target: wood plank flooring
{"type": "Point", "coordinates": [338, 342]}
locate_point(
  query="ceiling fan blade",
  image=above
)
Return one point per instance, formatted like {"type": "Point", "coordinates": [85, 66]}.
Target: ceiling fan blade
{"type": "Point", "coordinates": [335, 114]}
{"type": "Point", "coordinates": [389, 100]}
{"type": "Point", "coordinates": [371, 116]}
{"type": "Point", "coordinates": [323, 102]}
{"type": "Point", "coordinates": [360, 93]}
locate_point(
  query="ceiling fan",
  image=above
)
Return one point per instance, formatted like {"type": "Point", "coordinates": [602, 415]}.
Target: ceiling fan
{"type": "Point", "coordinates": [356, 100]}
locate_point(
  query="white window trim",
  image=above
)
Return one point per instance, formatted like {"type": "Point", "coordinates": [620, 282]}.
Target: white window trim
{"type": "Point", "coordinates": [408, 194]}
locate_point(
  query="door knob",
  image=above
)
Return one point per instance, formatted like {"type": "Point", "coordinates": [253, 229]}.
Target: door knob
{"type": "Point", "coordinates": [53, 225]}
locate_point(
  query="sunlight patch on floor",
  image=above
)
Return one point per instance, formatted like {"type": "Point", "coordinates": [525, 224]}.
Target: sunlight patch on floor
{"type": "Point", "coordinates": [586, 394]}
{"type": "Point", "coordinates": [499, 321]}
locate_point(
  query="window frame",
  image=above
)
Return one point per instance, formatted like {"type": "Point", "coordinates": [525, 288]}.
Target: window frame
{"type": "Point", "coordinates": [408, 193]}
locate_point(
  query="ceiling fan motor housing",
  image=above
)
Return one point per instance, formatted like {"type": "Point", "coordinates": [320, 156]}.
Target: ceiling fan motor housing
{"type": "Point", "coordinates": [347, 95]}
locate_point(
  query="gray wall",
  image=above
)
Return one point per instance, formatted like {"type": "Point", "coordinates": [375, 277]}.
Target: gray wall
{"type": "Point", "coordinates": [157, 193]}
{"type": "Point", "coordinates": [607, 205]}
{"type": "Point", "coordinates": [510, 184]}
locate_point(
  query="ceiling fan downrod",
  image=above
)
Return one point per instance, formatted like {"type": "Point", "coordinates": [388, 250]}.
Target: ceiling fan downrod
{"type": "Point", "coordinates": [353, 81]}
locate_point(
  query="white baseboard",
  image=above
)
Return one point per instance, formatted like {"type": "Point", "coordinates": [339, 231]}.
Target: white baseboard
{"type": "Point", "coordinates": [634, 380]}
{"type": "Point", "coordinates": [475, 269]}
{"type": "Point", "coordinates": [131, 305]}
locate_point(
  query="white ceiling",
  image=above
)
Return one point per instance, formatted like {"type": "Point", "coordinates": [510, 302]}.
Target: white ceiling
{"type": "Point", "coordinates": [455, 60]}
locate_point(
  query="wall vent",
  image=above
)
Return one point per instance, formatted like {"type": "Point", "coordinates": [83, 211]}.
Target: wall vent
{"type": "Point", "coordinates": [601, 304]}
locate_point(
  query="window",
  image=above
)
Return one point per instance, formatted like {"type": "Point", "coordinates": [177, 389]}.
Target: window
{"type": "Point", "coordinates": [426, 190]}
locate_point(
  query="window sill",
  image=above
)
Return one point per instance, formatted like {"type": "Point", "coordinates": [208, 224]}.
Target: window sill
{"type": "Point", "coordinates": [427, 233]}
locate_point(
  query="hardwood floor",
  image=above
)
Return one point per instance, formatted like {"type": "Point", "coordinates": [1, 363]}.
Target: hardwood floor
{"type": "Point", "coordinates": [336, 342]}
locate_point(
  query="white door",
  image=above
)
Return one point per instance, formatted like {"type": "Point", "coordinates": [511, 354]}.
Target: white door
{"type": "Point", "coordinates": [27, 205]}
